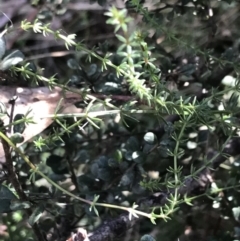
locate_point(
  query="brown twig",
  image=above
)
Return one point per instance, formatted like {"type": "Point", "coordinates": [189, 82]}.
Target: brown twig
{"type": "Point", "coordinates": [12, 177]}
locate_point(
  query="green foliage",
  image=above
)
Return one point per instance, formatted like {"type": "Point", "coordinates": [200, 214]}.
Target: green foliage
{"type": "Point", "coordinates": [147, 238]}
{"type": "Point", "coordinates": [6, 197]}
{"type": "Point", "coordinates": [156, 122]}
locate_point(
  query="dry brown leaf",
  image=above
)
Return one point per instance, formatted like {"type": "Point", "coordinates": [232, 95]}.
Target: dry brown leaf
{"type": "Point", "coordinates": [42, 102]}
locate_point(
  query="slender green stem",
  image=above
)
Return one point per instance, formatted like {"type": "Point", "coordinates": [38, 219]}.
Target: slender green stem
{"type": "Point", "coordinates": [35, 169]}
{"type": "Point", "coordinates": [101, 113]}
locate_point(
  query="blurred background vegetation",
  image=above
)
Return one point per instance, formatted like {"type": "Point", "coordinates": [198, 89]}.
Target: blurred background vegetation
{"type": "Point", "coordinates": [194, 46]}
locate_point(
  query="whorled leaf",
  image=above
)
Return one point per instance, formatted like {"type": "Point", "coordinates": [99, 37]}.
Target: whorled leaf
{"type": "Point", "coordinates": [6, 197]}
{"type": "Point", "coordinates": [2, 47]}
{"type": "Point", "coordinates": [150, 138]}
{"type": "Point", "coordinates": [147, 237]}
{"type": "Point", "coordinates": [12, 59]}
{"type": "Point", "coordinates": [19, 205]}
{"type": "Point", "coordinates": [37, 213]}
